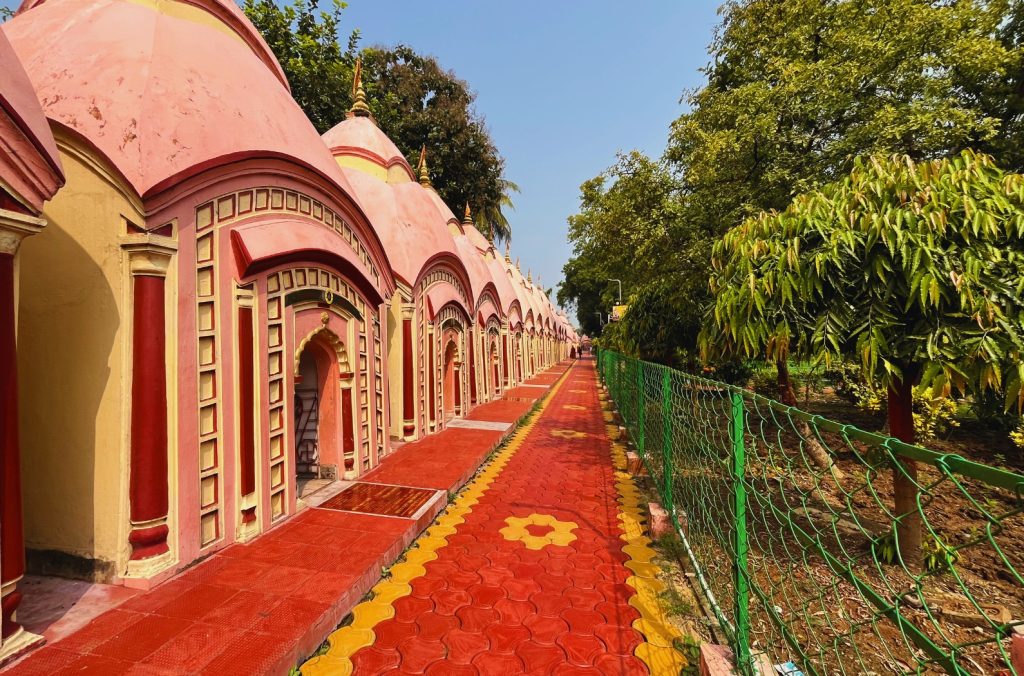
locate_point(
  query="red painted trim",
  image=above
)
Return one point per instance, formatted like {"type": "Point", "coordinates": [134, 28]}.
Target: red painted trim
{"type": "Point", "coordinates": [348, 431]}
{"type": "Point", "coordinates": [504, 352]}
{"type": "Point", "coordinates": [10, 204]}
{"type": "Point", "coordinates": [12, 541]}
{"type": "Point", "coordinates": [148, 475]}
{"type": "Point", "coordinates": [433, 384]}
{"type": "Point", "coordinates": [338, 263]}
{"type": "Point", "coordinates": [148, 542]}
{"type": "Point", "coordinates": [457, 390]}
{"type": "Point", "coordinates": [246, 403]}
{"type": "Point", "coordinates": [472, 370]}
{"type": "Point", "coordinates": [408, 395]}
{"type": "Point", "coordinates": [8, 607]}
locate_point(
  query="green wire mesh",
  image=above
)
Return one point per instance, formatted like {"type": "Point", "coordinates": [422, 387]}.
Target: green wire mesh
{"type": "Point", "coordinates": [799, 563]}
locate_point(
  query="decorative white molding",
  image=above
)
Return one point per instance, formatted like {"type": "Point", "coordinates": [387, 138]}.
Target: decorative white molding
{"type": "Point", "coordinates": [15, 227]}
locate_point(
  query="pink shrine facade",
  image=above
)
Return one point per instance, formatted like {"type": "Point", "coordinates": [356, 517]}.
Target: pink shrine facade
{"type": "Point", "coordinates": [205, 306]}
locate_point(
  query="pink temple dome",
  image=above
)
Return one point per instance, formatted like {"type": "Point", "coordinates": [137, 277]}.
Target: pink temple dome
{"type": "Point", "coordinates": [361, 137]}
{"type": "Point", "coordinates": [499, 271]}
{"type": "Point", "coordinates": [164, 95]}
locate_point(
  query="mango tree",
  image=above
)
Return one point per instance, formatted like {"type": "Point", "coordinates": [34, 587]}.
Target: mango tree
{"type": "Point", "coordinates": [915, 270]}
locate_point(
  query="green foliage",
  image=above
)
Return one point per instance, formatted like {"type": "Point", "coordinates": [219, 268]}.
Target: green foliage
{"type": "Point", "coordinates": [934, 414]}
{"type": "Point", "coordinates": [413, 99]}
{"type": "Point", "coordinates": [938, 557]}
{"type": "Point", "coordinates": [1017, 435]}
{"type": "Point", "coordinates": [732, 371]}
{"type": "Point", "coordinates": [660, 321]}
{"type": "Point", "coordinates": [798, 89]}
{"type": "Point", "coordinates": [416, 101]}
{"type": "Point", "coordinates": [689, 646]}
{"type": "Point", "coordinates": [900, 265]}
{"type": "Point", "coordinates": [673, 602]}
{"type": "Point", "coordinates": [630, 227]}
{"type": "Point", "coordinates": [795, 92]}
{"type": "Point", "coordinates": [305, 42]}
{"type": "Point", "coordinates": [671, 547]}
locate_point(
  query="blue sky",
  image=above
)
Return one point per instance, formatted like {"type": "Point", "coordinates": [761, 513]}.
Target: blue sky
{"type": "Point", "coordinates": [563, 84]}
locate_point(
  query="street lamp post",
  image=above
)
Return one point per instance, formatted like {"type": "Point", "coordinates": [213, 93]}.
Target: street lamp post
{"type": "Point", "coordinates": [599, 320]}
{"type": "Point", "coordinates": [620, 288]}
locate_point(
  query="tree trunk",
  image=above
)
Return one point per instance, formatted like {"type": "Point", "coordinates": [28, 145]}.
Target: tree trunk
{"type": "Point", "coordinates": [901, 426]}
{"type": "Point", "coordinates": [813, 447]}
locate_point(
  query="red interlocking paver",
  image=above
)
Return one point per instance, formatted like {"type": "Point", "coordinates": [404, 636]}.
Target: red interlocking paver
{"type": "Point", "coordinates": [464, 645]}
{"type": "Point", "coordinates": [377, 660]}
{"type": "Point", "coordinates": [432, 626]}
{"type": "Point", "coordinates": [499, 607]}
{"type": "Point", "coordinates": [417, 653]}
{"type": "Point", "coordinates": [261, 607]}
{"type": "Point", "coordinates": [540, 659]}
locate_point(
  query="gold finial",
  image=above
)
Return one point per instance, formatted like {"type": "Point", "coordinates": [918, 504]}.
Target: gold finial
{"type": "Point", "coordinates": [508, 252]}
{"type": "Point", "coordinates": [467, 219]}
{"type": "Point", "coordinates": [517, 265]}
{"type": "Point", "coordinates": [422, 168]}
{"type": "Point", "coordinates": [359, 107]}
{"type": "Point", "coordinates": [529, 276]}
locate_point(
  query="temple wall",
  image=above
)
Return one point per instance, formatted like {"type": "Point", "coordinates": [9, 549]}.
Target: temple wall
{"type": "Point", "coordinates": [395, 365]}
{"type": "Point", "coordinates": [74, 327]}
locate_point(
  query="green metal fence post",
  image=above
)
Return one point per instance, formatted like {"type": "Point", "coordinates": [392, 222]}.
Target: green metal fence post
{"type": "Point", "coordinates": [739, 494]}
{"type": "Point", "coordinates": [640, 409]}
{"type": "Point", "coordinates": [618, 383]}
{"type": "Point", "coordinates": [666, 440]}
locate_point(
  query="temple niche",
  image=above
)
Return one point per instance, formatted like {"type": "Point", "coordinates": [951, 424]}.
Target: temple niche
{"type": "Point", "coordinates": [219, 311]}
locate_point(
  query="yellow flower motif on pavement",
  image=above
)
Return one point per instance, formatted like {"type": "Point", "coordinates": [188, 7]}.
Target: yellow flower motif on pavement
{"type": "Point", "coordinates": [568, 434]}
{"type": "Point", "coordinates": [560, 534]}
{"type": "Point", "coordinates": [574, 407]}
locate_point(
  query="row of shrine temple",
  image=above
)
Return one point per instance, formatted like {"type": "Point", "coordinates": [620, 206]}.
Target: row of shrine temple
{"type": "Point", "coordinates": [204, 303]}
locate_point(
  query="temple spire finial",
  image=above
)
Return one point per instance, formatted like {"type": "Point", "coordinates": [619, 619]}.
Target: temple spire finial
{"type": "Point", "coordinates": [529, 276]}
{"type": "Point", "coordinates": [359, 107]}
{"type": "Point", "coordinates": [508, 252]}
{"type": "Point", "coordinates": [422, 168]}
{"type": "Point", "coordinates": [467, 218]}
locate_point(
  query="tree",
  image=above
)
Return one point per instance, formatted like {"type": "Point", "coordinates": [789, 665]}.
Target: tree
{"type": "Point", "coordinates": [631, 227]}
{"type": "Point", "coordinates": [305, 42]}
{"type": "Point", "coordinates": [913, 269]}
{"type": "Point", "coordinates": [798, 89]}
{"type": "Point", "coordinates": [413, 99]}
{"type": "Point", "coordinates": [416, 101]}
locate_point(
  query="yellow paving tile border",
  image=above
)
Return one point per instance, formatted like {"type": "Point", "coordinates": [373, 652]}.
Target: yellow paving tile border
{"type": "Point", "coordinates": [657, 651]}
{"type": "Point", "coordinates": [347, 640]}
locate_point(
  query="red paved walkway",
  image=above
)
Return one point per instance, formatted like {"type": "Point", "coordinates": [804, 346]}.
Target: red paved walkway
{"type": "Point", "coordinates": [491, 605]}
{"type": "Point", "coordinates": [261, 607]}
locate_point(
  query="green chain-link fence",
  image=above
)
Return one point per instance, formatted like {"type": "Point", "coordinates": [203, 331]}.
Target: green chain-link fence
{"type": "Point", "coordinates": [789, 523]}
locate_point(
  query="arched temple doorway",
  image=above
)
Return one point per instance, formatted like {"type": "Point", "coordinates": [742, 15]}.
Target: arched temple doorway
{"type": "Point", "coordinates": [323, 416]}
{"type": "Point", "coordinates": [451, 384]}
{"type": "Point", "coordinates": [495, 379]}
